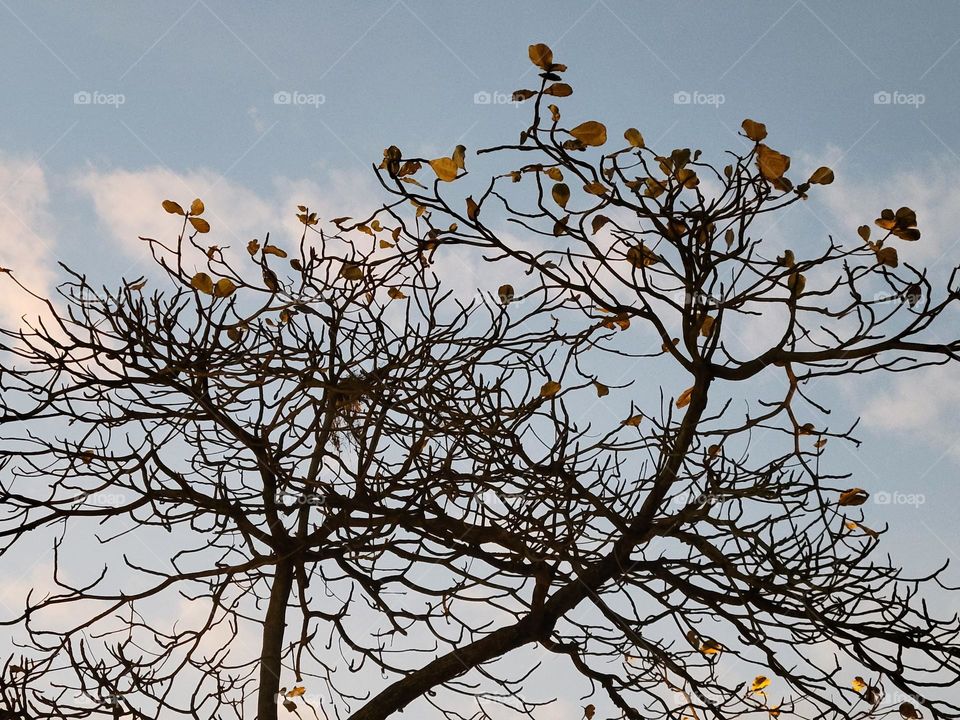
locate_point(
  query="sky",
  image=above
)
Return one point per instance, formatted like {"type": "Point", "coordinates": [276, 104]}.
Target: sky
{"type": "Point", "coordinates": [255, 107]}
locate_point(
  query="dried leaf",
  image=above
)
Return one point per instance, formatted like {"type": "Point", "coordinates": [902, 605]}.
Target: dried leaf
{"type": "Point", "coordinates": [199, 224]}
{"type": "Point", "coordinates": [853, 497]}
{"type": "Point", "coordinates": [590, 133]}
{"type": "Point", "coordinates": [684, 398]}
{"type": "Point", "coordinates": [633, 136]}
{"type": "Point", "coordinates": [173, 208]}
{"type": "Point", "coordinates": [445, 168]}
{"type": "Point", "coordinates": [225, 287]}
{"type": "Point", "coordinates": [541, 55]}
{"type": "Point", "coordinates": [754, 130]}
{"type": "Point", "coordinates": [202, 282]}
{"type": "Point", "coordinates": [196, 207]}
{"type": "Point", "coordinates": [549, 389]}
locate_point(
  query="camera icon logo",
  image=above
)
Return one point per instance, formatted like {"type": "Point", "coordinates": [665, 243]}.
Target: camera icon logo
{"type": "Point", "coordinates": [82, 97]}
{"type": "Point", "coordinates": [882, 498]}
{"type": "Point", "coordinates": [482, 98]}
{"type": "Point", "coordinates": [882, 97]}
{"type": "Point", "coordinates": [682, 97]}
{"type": "Point", "coordinates": [282, 98]}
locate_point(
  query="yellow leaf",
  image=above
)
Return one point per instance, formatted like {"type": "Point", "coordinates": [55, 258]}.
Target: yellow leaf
{"type": "Point", "coordinates": [595, 188]}
{"type": "Point", "coordinates": [224, 288]}
{"type": "Point", "coordinates": [274, 250]}
{"type": "Point", "coordinates": [541, 55]}
{"type": "Point", "coordinates": [196, 207]}
{"type": "Point", "coordinates": [821, 176]}
{"type": "Point", "coordinates": [297, 691]}
{"type": "Point", "coordinates": [754, 130]}
{"type": "Point", "coordinates": [253, 247]}
{"type": "Point", "coordinates": [771, 163]}
{"type": "Point", "coordinates": [554, 173]}
{"type": "Point", "coordinates": [590, 133]}
{"type": "Point", "coordinates": [202, 282]}
{"type": "Point", "coordinates": [445, 168]}
{"type": "Point", "coordinates": [633, 136]}
{"type": "Point", "coordinates": [561, 194]}
{"type": "Point", "coordinates": [858, 683]}
{"type": "Point", "coordinates": [684, 398]}
{"type": "Point", "coordinates": [199, 224]}
{"type": "Point", "coordinates": [853, 496]}
{"type": "Point", "coordinates": [759, 683]}
{"type": "Point", "coordinates": [711, 647]}
{"type": "Point", "coordinates": [633, 421]}
{"type": "Point", "coordinates": [549, 389]}
{"type": "Point", "coordinates": [173, 208]}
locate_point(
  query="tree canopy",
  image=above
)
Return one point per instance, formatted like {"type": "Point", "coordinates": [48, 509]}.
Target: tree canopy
{"type": "Point", "coordinates": [350, 470]}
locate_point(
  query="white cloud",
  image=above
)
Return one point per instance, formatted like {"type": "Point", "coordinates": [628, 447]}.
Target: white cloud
{"type": "Point", "coordinates": [26, 238]}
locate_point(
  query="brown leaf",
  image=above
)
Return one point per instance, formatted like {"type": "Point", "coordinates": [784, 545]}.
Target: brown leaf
{"type": "Point", "coordinates": [202, 282]}
{"type": "Point", "coordinates": [853, 497]}
{"type": "Point", "coordinates": [561, 194]}
{"type": "Point", "coordinates": [558, 90]}
{"type": "Point", "coordinates": [598, 222]}
{"type": "Point", "coordinates": [633, 136]}
{"type": "Point", "coordinates": [821, 176]}
{"type": "Point", "coordinates": [602, 390]}
{"type": "Point", "coordinates": [225, 287]}
{"type": "Point", "coordinates": [684, 398]}
{"type": "Point", "coordinates": [590, 133]}
{"type": "Point", "coordinates": [754, 130]}
{"type": "Point", "coordinates": [549, 389]}
{"type": "Point", "coordinates": [196, 207]}
{"type": "Point", "coordinates": [351, 271]}
{"type": "Point", "coordinates": [173, 208]}
{"type": "Point", "coordinates": [199, 224]}
{"type": "Point", "coordinates": [771, 163]}
{"type": "Point", "coordinates": [541, 55]}
{"type": "Point", "coordinates": [633, 420]}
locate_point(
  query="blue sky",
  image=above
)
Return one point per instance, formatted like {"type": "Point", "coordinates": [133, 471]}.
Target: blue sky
{"type": "Point", "coordinates": [110, 107]}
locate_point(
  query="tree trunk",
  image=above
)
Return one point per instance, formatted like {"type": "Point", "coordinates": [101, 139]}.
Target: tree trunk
{"type": "Point", "coordinates": [272, 644]}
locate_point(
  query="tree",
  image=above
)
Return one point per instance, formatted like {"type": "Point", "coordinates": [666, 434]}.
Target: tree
{"type": "Point", "coordinates": [433, 465]}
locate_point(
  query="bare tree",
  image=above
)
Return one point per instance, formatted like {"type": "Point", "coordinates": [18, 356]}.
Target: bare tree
{"type": "Point", "coordinates": [377, 474]}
